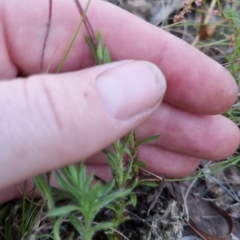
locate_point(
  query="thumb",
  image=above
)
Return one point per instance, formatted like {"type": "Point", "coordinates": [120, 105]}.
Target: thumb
{"type": "Point", "coordinates": [48, 121]}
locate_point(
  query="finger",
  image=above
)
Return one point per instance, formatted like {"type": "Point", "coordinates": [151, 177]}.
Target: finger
{"type": "Point", "coordinates": [173, 165]}
{"type": "Point", "coordinates": [195, 82]}
{"type": "Point", "coordinates": [48, 121]}
{"type": "Point", "coordinates": [16, 191]}
{"type": "Point", "coordinates": [209, 137]}
{"type": "Point", "coordinates": [159, 161]}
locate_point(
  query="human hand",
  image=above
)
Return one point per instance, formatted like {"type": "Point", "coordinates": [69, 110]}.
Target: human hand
{"type": "Point", "coordinates": [48, 121]}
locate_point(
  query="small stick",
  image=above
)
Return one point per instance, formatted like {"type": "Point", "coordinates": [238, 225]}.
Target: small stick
{"type": "Point", "coordinates": [157, 195]}
{"type": "Point", "coordinates": [46, 36]}
{"type": "Point", "coordinates": [87, 24]}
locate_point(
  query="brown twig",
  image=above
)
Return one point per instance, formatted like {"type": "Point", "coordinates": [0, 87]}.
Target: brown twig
{"type": "Point", "coordinates": [46, 35]}
{"type": "Point", "coordinates": [156, 195]}
{"type": "Point", "coordinates": [87, 24]}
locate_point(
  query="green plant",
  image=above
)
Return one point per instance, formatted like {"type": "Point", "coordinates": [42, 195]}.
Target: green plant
{"type": "Point", "coordinates": [19, 219]}
{"type": "Point", "coordinates": [86, 200]}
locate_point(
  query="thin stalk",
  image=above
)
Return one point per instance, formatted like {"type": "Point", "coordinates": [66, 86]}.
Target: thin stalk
{"type": "Point", "coordinates": [47, 34]}
{"type": "Point", "coordinates": [74, 37]}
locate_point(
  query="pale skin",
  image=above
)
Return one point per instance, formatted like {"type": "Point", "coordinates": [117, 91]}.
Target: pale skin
{"type": "Point", "coordinates": [51, 120]}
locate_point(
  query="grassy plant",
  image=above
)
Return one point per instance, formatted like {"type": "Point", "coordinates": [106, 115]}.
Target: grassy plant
{"type": "Point", "coordinates": [86, 199]}
{"type": "Point", "coordinates": [19, 218]}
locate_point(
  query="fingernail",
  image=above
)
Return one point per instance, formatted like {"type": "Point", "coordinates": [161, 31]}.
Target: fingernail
{"type": "Point", "coordinates": [131, 88]}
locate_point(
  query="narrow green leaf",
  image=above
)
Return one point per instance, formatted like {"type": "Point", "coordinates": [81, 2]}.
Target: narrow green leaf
{"type": "Point", "coordinates": [45, 189]}
{"type": "Point", "coordinates": [92, 48]}
{"type": "Point", "coordinates": [112, 207]}
{"type": "Point", "coordinates": [83, 176]}
{"type": "Point", "coordinates": [62, 211]}
{"type": "Point", "coordinates": [140, 164]}
{"type": "Point", "coordinates": [8, 230]}
{"type": "Point", "coordinates": [148, 140]}
{"type": "Point", "coordinates": [89, 182]}
{"type": "Point", "coordinates": [111, 160]}
{"type": "Point", "coordinates": [73, 173]}
{"type": "Point", "coordinates": [128, 152]}
{"type": "Point", "coordinates": [99, 48]}
{"type": "Point", "coordinates": [106, 56]}
{"type": "Point", "coordinates": [44, 236]}
{"type": "Point", "coordinates": [107, 188]}
{"type": "Point", "coordinates": [113, 196]}
{"type": "Point", "coordinates": [100, 53]}
{"type": "Point", "coordinates": [135, 183]}
{"type": "Point", "coordinates": [117, 146]}
{"type": "Point", "coordinates": [77, 224]}
{"type": "Point", "coordinates": [148, 183]}
{"type": "Point", "coordinates": [125, 143]}
{"type": "Point", "coordinates": [102, 226]}
{"type": "Point", "coordinates": [71, 236]}
{"type": "Point", "coordinates": [127, 173]}
{"type": "Point", "coordinates": [67, 186]}
{"type": "Point", "coordinates": [132, 200]}
{"type": "Point", "coordinates": [56, 228]}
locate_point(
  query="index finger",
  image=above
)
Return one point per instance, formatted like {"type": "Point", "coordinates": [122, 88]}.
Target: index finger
{"type": "Point", "coordinates": [195, 82]}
